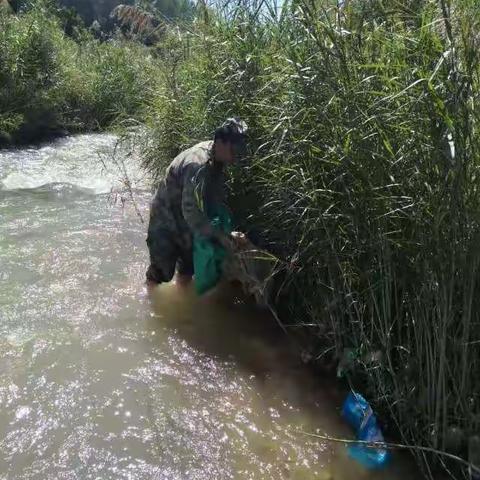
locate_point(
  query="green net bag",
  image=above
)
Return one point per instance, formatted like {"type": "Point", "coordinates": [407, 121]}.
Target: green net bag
{"type": "Point", "coordinates": [208, 256]}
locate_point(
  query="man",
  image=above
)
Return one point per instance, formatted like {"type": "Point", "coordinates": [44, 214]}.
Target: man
{"type": "Point", "coordinates": [194, 183]}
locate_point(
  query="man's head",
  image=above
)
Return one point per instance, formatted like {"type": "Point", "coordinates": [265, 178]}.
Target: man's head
{"type": "Point", "coordinates": [230, 142]}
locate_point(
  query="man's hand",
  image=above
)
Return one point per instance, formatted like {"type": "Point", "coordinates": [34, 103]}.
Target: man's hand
{"type": "Point", "coordinates": [239, 239]}
{"type": "Point", "coordinates": [233, 241]}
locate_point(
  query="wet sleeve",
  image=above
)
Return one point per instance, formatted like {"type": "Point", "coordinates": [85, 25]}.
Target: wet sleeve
{"type": "Point", "coordinates": [193, 203]}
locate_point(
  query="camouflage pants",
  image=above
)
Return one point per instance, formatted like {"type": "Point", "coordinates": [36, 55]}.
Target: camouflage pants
{"type": "Point", "coordinates": [166, 254]}
{"type": "Point", "coordinates": [169, 249]}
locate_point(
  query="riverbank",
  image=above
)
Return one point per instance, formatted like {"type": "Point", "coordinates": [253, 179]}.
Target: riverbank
{"type": "Point", "coordinates": [365, 149]}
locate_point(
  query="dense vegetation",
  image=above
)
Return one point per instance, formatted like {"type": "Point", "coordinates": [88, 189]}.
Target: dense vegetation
{"type": "Point", "coordinates": [365, 128]}
{"type": "Point", "coordinates": [51, 82]}
{"type": "Point", "coordinates": [100, 10]}
{"type": "Point", "coordinates": [364, 174]}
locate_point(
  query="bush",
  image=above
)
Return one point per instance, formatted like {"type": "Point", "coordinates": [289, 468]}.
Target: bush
{"type": "Point", "coordinates": [105, 82]}
{"type": "Point", "coordinates": [28, 72]}
{"type": "Point", "coordinates": [53, 82]}
{"type": "Point", "coordinates": [364, 123]}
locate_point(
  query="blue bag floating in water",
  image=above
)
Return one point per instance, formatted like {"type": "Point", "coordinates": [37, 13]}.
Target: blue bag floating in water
{"type": "Point", "coordinates": [208, 257]}
{"type": "Point", "coordinates": [358, 413]}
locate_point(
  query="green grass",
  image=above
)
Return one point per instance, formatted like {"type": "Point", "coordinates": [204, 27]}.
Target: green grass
{"type": "Point", "coordinates": [364, 128]}
{"type": "Point", "coordinates": [50, 81]}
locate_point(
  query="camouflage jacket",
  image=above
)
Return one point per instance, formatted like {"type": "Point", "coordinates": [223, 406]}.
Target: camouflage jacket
{"type": "Point", "coordinates": [192, 185]}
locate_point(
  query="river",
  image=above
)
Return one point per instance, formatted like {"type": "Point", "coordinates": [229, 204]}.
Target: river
{"type": "Point", "coordinates": [99, 380]}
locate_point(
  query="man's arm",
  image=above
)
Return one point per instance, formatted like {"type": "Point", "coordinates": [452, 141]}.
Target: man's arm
{"type": "Point", "coordinates": [193, 207]}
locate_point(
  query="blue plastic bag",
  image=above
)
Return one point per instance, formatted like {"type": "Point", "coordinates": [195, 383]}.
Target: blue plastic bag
{"type": "Point", "coordinates": [358, 413]}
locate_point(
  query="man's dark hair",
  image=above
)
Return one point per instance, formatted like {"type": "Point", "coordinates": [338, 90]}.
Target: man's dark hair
{"type": "Point", "coordinates": [233, 130]}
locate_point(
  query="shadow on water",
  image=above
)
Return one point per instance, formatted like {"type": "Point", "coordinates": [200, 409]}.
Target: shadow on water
{"type": "Point", "coordinates": [226, 328]}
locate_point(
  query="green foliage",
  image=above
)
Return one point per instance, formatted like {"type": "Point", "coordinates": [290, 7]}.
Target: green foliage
{"type": "Point", "coordinates": [100, 10]}
{"type": "Point", "coordinates": [29, 69]}
{"type": "Point", "coordinates": [168, 9]}
{"type": "Point", "coordinates": [365, 132]}
{"type": "Point", "coordinates": [105, 83]}
{"type": "Point", "coordinates": [51, 82]}
{"type": "Point", "coordinates": [5, 6]}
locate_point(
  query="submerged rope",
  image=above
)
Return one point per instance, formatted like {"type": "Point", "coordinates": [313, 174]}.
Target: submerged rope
{"type": "Point", "coordinates": [394, 446]}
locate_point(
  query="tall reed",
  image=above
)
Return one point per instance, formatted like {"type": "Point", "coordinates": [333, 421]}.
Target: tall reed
{"type": "Point", "coordinates": [364, 176]}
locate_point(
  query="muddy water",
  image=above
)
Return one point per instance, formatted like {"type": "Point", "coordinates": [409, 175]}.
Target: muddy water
{"type": "Point", "coordinates": [99, 380]}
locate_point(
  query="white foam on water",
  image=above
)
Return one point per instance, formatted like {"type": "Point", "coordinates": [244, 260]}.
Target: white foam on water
{"type": "Point", "coordinates": [87, 161]}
